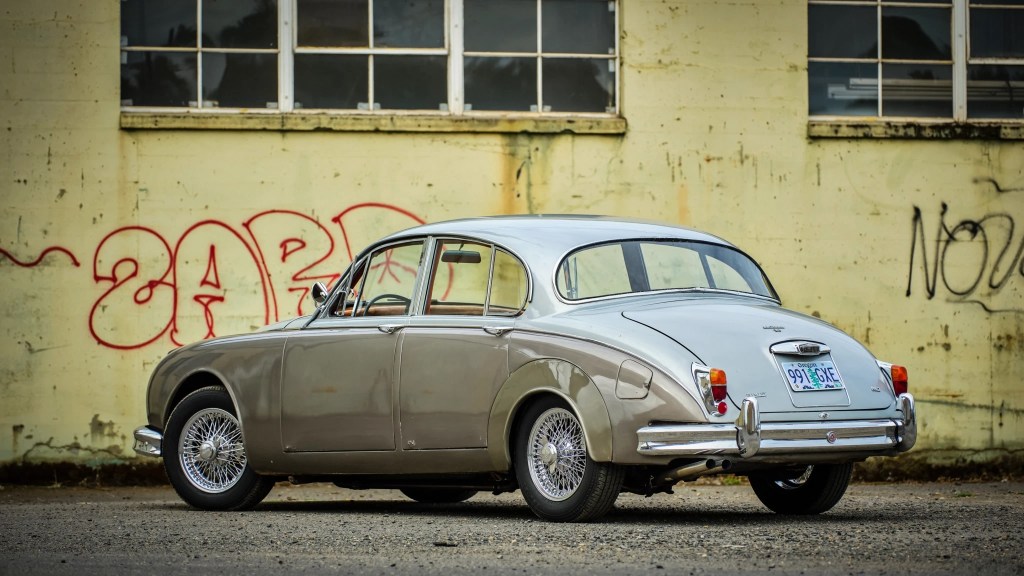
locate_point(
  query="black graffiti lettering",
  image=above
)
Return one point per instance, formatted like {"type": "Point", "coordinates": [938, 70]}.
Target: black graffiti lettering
{"type": "Point", "coordinates": [985, 237]}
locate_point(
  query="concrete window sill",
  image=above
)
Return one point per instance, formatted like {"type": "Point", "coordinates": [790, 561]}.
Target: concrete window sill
{"type": "Point", "coordinates": [369, 123]}
{"type": "Point", "coordinates": [912, 129]}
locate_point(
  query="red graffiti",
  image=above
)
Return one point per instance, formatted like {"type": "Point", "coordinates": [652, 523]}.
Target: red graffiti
{"type": "Point", "coordinates": [216, 273]}
{"type": "Point", "coordinates": [42, 255]}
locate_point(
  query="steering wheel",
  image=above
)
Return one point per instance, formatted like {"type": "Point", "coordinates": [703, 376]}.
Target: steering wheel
{"type": "Point", "coordinates": [379, 297]}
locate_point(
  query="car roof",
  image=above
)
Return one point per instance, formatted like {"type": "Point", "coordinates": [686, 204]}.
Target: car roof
{"type": "Point", "coordinates": [548, 237]}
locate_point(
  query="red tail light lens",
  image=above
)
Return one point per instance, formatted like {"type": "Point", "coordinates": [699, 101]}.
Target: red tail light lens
{"type": "Point", "coordinates": [899, 379]}
{"type": "Point", "coordinates": [718, 386]}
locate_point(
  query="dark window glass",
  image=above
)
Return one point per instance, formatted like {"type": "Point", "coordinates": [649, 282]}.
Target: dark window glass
{"type": "Point", "coordinates": [331, 81]}
{"type": "Point", "coordinates": [1000, 2]}
{"type": "Point", "coordinates": [578, 85]}
{"type": "Point", "coordinates": [501, 83]}
{"type": "Point", "coordinates": [500, 25]}
{"type": "Point", "coordinates": [240, 23]}
{"type": "Point", "coordinates": [578, 26]}
{"type": "Point", "coordinates": [917, 90]}
{"type": "Point", "coordinates": [997, 33]}
{"type": "Point", "coordinates": [995, 91]}
{"type": "Point", "coordinates": [158, 79]}
{"type": "Point", "coordinates": [240, 80]}
{"type": "Point", "coordinates": [843, 89]}
{"type": "Point", "coordinates": [916, 33]}
{"type": "Point", "coordinates": [839, 31]}
{"type": "Point", "coordinates": [333, 22]}
{"type": "Point", "coordinates": [410, 82]}
{"type": "Point", "coordinates": [408, 23]}
{"type": "Point", "coordinates": [159, 24]}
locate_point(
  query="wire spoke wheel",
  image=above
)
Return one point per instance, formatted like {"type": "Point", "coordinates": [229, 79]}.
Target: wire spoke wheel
{"type": "Point", "coordinates": [211, 450]}
{"type": "Point", "coordinates": [557, 454]}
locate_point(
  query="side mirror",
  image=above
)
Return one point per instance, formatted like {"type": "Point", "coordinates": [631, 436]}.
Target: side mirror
{"type": "Point", "coordinates": [319, 294]}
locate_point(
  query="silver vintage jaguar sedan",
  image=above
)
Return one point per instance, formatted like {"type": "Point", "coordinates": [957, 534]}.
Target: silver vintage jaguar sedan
{"type": "Point", "coordinates": [572, 358]}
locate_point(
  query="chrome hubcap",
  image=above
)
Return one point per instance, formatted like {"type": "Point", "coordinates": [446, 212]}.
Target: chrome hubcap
{"type": "Point", "coordinates": [557, 454]}
{"type": "Point", "coordinates": [211, 451]}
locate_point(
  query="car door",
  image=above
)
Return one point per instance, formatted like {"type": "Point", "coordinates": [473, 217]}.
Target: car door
{"type": "Point", "coordinates": [454, 357]}
{"type": "Point", "coordinates": [339, 373]}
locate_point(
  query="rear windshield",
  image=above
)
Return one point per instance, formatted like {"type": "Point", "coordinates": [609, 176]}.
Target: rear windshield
{"type": "Point", "coordinates": [652, 265]}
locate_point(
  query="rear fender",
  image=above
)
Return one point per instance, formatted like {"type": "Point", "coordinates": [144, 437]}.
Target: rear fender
{"type": "Point", "coordinates": [549, 376]}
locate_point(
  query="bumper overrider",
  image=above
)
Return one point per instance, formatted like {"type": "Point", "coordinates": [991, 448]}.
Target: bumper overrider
{"type": "Point", "coordinates": [749, 437]}
{"type": "Point", "coordinates": [148, 441]}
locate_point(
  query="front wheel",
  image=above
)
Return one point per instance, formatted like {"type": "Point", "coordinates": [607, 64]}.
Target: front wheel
{"type": "Point", "coordinates": [556, 475]}
{"type": "Point", "coordinates": [814, 490]}
{"type": "Point", "coordinates": [204, 455]}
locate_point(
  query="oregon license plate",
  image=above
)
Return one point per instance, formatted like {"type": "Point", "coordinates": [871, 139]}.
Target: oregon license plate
{"type": "Point", "coordinates": [816, 375]}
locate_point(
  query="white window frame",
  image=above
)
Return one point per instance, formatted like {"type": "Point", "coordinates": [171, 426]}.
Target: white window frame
{"type": "Point", "coordinates": [453, 50]}
{"type": "Point", "coordinates": [960, 43]}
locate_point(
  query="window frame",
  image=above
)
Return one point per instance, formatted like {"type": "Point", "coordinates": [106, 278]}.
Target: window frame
{"type": "Point", "coordinates": [959, 124]}
{"type": "Point", "coordinates": [455, 118]}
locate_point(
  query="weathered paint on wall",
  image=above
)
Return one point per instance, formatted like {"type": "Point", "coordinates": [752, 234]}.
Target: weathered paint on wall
{"type": "Point", "coordinates": [117, 245]}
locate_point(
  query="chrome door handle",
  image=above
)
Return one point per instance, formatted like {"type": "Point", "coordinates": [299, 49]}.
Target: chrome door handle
{"type": "Point", "coordinates": [389, 328]}
{"type": "Point", "coordinates": [497, 330]}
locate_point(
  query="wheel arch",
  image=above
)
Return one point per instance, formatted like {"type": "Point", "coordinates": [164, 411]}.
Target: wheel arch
{"type": "Point", "coordinates": [535, 380]}
{"type": "Point", "coordinates": [197, 380]}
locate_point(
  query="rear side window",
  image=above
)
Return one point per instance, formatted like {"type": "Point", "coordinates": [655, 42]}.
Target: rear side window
{"type": "Point", "coordinates": [473, 279]}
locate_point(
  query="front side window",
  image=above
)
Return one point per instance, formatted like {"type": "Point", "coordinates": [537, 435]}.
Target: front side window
{"type": "Point", "coordinates": [649, 266]}
{"type": "Point", "coordinates": [388, 281]}
{"type": "Point", "coordinates": [449, 57]}
{"type": "Point", "coordinates": [949, 59]}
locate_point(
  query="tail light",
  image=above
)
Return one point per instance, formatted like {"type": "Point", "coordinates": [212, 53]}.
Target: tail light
{"type": "Point", "coordinates": [899, 379]}
{"type": "Point", "coordinates": [712, 385]}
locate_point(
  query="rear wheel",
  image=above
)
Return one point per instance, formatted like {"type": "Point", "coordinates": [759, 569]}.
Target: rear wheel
{"type": "Point", "coordinates": [814, 490]}
{"type": "Point", "coordinates": [558, 479]}
{"type": "Point", "coordinates": [439, 495]}
{"type": "Point", "coordinates": [205, 457]}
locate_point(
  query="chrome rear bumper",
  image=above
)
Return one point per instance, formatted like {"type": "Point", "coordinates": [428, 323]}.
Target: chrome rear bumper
{"type": "Point", "coordinates": [749, 437]}
{"type": "Point", "coordinates": [147, 441]}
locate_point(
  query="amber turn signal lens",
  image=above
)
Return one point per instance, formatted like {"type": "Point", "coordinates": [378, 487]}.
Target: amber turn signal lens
{"type": "Point", "coordinates": [899, 379]}
{"type": "Point", "coordinates": [718, 389]}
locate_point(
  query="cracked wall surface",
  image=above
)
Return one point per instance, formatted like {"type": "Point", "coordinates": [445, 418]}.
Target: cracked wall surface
{"type": "Point", "coordinates": [914, 246]}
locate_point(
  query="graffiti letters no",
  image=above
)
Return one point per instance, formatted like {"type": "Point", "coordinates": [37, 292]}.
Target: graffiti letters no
{"type": "Point", "coordinates": [978, 261]}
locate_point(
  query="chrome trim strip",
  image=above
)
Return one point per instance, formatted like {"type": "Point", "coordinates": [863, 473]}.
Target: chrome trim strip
{"type": "Point", "coordinates": [749, 437]}
{"type": "Point", "coordinates": [800, 348]}
{"type": "Point", "coordinates": [148, 441]}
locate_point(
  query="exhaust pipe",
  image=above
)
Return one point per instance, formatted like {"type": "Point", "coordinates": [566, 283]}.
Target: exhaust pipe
{"type": "Point", "coordinates": [694, 471]}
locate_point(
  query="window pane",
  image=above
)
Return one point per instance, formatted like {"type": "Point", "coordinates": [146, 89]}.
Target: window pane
{"type": "Point", "coordinates": [578, 85]}
{"type": "Point", "coordinates": [842, 31]}
{"type": "Point", "coordinates": [240, 80]}
{"type": "Point", "coordinates": [460, 280]}
{"type": "Point", "coordinates": [1000, 2]}
{"type": "Point", "coordinates": [410, 82]}
{"type": "Point", "coordinates": [392, 272]}
{"type": "Point", "coordinates": [408, 23]}
{"type": "Point", "coordinates": [501, 25]}
{"type": "Point", "coordinates": [333, 22]}
{"type": "Point", "coordinates": [578, 26]}
{"type": "Point", "coordinates": [916, 33]}
{"type": "Point", "coordinates": [240, 23]}
{"type": "Point", "coordinates": [592, 272]}
{"type": "Point", "coordinates": [508, 287]}
{"type": "Point", "coordinates": [917, 90]}
{"type": "Point", "coordinates": [673, 266]}
{"type": "Point", "coordinates": [995, 91]}
{"type": "Point", "coordinates": [843, 89]}
{"type": "Point", "coordinates": [331, 81]}
{"type": "Point", "coordinates": [159, 24]}
{"type": "Point", "coordinates": [501, 83]}
{"type": "Point", "coordinates": [997, 33]}
{"type": "Point", "coordinates": [158, 79]}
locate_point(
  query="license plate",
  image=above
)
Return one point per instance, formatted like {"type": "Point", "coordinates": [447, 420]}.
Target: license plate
{"type": "Point", "coordinates": [817, 375]}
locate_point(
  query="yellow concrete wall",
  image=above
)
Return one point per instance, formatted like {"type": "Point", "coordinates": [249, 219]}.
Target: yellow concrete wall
{"type": "Point", "coordinates": [113, 228]}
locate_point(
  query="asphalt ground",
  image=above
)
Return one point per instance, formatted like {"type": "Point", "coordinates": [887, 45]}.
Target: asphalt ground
{"type": "Point", "coordinates": [704, 528]}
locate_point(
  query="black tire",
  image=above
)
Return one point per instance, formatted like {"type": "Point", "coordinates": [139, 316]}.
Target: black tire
{"type": "Point", "coordinates": [439, 495]}
{"type": "Point", "coordinates": [559, 480]}
{"type": "Point", "coordinates": [208, 467]}
{"type": "Point", "coordinates": [817, 490]}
